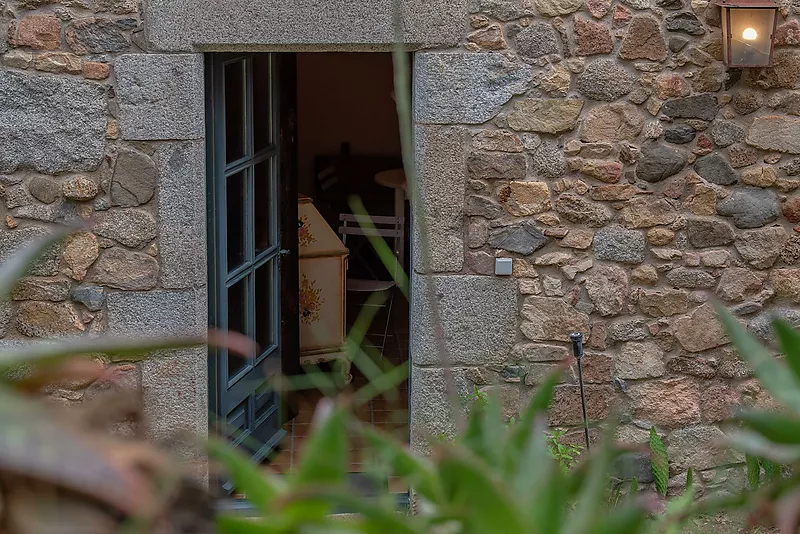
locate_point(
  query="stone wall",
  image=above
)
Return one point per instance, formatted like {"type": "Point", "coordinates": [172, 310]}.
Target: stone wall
{"type": "Point", "coordinates": [93, 132]}
{"type": "Point", "coordinates": [602, 145]}
{"type": "Point", "coordinates": [634, 180]}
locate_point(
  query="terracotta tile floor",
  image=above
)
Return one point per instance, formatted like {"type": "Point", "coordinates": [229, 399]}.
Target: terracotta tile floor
{"type": "Point", "coordinates": [389, 412]}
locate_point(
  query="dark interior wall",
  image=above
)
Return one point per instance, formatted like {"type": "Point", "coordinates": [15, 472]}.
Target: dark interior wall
{"type": "Point", "coordinates": [344, 97]}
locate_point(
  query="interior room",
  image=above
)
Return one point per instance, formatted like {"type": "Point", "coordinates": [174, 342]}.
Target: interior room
{"type": "Point", "coordinates": [348, 146]}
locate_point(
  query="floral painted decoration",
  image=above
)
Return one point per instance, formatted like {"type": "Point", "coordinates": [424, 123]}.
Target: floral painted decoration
{"type": "Point", "coordinates": [310, 301]}
{"type": "Point", "coordinates": [304, 232]}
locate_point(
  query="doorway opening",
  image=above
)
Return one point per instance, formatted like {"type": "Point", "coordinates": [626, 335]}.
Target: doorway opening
{"type": "Point", "coordinates": [293, 136]}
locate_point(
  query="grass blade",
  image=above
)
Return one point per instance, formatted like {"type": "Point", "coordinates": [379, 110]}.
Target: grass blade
{"type": "Point", "coordinates": [18, 264]}
{"type": "Point", "coordinates": [773, 374]}
{"type": "Point", "coordinates": [774, 426]}
{"type": "Point", "coordinates": [259, 488]}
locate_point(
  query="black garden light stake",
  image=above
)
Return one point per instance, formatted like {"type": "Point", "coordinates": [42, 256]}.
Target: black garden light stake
{"type": "Point", "coordinates": [577, 351]}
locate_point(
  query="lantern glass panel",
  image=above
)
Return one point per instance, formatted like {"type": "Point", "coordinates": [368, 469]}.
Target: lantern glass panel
{"type": "Point", "coordinates": [750, 36]}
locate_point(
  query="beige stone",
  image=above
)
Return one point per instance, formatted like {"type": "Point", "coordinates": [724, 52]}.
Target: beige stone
{"type": "Point", "coordinates": [48, 319]}
{"type": "Point", "coordinates": [736, 284]}
{"type": "Point", "coordinates": [524, 198]}
{"type": "Point", "coordinates": [496, 141]}
{"type": "Point", "coordinates": [775, 132]}
{"type": "Point", "coordinates": [663, 302]}
{"type": "Point", "coordinates": [606, 171]}
{"type": "Point", "coordinates": [715, 258]}
{"type": "Point", "coordinates": [489, 38]}
{"type": "Point", "coordinates": [660, 236]}
{"type": "Point", "coordinates": [613, 192]}
{"type": "Point", "coordinates": [618, 121]}
{"type": "Point", "coordinates": [607, 286]}
{"type": "Point", "coordinates": [639, 360]}
{"type": "Point", "coordinates": [764, 176]}
{"type": "Point", "coordinates": [126, 269]}
{"type": "Point", "coordinates": [551, 319]}
{"type": "Point", "coordinates": [672, 402]}
{"type": "Point", "coordinates": [59, 63]}
{"type": "Point", "coordinates": [761, 248]}
{"type": "Point", "coordinates": [645, 213]}
{"type": "Point", "coordinates": [554, 8]}
{"type": "Point", "coordinates": [645, 274]}
{"type": "Point", "coordinates": [671, 85]}
{"type": "Point", "coordinates": [80, 252]}
{"type": "Point", "coordinates": [787, 284]}
{"type": "Point", "coordinates": [577, 238]}
{"type": "Point", "coordinates": [700, 331]}
{"type": "Point", "coordinates": [565, 408]}
{"type": "Point", "coordinates": [556, 81]}
{"type": "Point", "coordinates": [545, 115]}
{"type": "Point", "coordinates": [18, 59]}
{"type": "Point", "coordinates": [702, 200]}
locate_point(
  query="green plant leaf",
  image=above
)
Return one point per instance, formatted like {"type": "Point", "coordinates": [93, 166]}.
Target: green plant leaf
{"type": "Point", "coordinates": [634, 486]}
{"type": "Point", "coordinates": [753, 471]}
{"type": "Point", "coordinates": [230, 524]}
{"type": "Point", "coordinates": [773, 373]}
{"type": "Point", "coordinates": [789, 339]}
{"type": "Point", "coordinates": [776, 427]}
{"type": "Point", "coordinates": [43, 352]}
{"type": "Point", "coordinates": [323, 462]}
{"type": "Point", "coordinates": [484, 429]}
{"type": "Point", "coordinates": [659, 463]}
{"type": "Point", "coordinates": [475, 495]}
{"type": "Point", "coordinates": [626, 519]}
{"type": "Point", "coordinates": [522, 431]}
{"type": "Point", "coordinates": [538, 484]}
{"type": "Point", "coordinates": [757, 445]}
{"type": "Point", "coordinates": [16, 266]}
{"type": "Point", "coordinates": [416, 470]}
{"type": "Point", "coordinates": [592, 488]}
{"type": "Point", "coordinates": [772, 470]}
{"type": "Point", "coordinates": [259, 488]}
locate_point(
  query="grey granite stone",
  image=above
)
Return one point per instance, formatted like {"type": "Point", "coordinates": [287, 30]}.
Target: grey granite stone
{"type": "Point", "coordinates": [175, 400]}
{"type": "Point", "coordinates": [605, 79]}
{"type": "Point", "coordinates": [13, 241]}
{"type": "Point", "coordinates": [461, 88]}
{"type": "Point", "coordinates": [157, 313]}
{"type": "Point", "coordinates": [182, 214]}
{"type": "Point", "coordinates": [160, 96]}
{"type": "Point", "coordinates": [335, 25]}
{"type": "Point", "coordinates": [750, 207]}
{"type": "Point", "coordinates": [440, 210]}
{"type": "Point", "coordinates": [93, 297]}
{"type": "Point", "coordinates": [618, 244]}
{"type": "Point", "coordinates": [51, 124]}
{"type": "Point", "coordinates": [716, 169]}
{"type": "Point", "coordinates": [477, 315]}
{"type": "Point", "coordinates": [703, 106]}
{"type": "Point", "coordinates": [434, 405]}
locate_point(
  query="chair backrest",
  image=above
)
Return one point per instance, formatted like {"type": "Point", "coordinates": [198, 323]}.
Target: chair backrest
{"type": "Point", "coordinates": [382, 226]}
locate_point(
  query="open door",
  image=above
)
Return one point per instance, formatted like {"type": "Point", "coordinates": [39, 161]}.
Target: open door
{"type": "Point", "coordinates": [252, 206]}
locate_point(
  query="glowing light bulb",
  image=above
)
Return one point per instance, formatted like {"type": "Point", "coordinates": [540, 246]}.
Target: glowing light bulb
{"type": "Point", "coordinates": [749, 34]}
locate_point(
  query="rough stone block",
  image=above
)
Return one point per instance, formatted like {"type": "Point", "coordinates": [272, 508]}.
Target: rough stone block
{"type": "Point", "coordinates": [51, 124]}
{"type": "Point", "coordinates": [460, 88]}
{"type": "Point", "coordinates": [160, 96]}
{"type": "Point", "coordinates": [477, 316]}
{"type": "Point", "coordinates": [157, 313]}
{"type": "Point", "coordinates": [175, 400]}
{"type": "Point", "coordinates": [334, 25]}
{"type": "Point", "coordinates": [433, 405]}
{"type": "Point", "coordinates": [182, 214]}
{"type": "Point", "coordinates": [440, 210]}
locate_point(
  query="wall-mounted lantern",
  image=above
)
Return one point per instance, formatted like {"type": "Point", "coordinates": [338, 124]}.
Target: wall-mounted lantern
{"type": "Point", "coordinates": [748, 32]}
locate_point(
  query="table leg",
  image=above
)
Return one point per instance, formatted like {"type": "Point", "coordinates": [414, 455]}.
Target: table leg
{"type": "Point", "coordinates": [400, 211]}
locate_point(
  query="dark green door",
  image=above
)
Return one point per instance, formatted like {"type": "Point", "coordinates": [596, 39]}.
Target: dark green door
{"type": "Point", "coordinates": [252, 259]}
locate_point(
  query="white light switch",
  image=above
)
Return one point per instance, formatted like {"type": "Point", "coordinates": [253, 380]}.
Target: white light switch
{"type": "Point", "coordinates": [502, 266]}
